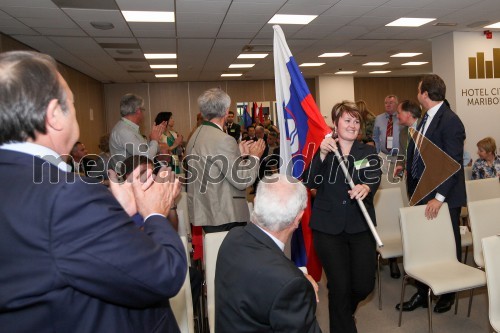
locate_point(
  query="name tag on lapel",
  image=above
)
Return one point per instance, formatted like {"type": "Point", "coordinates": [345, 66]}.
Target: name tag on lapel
{"type": "Point", "coordinates": [361, 164]}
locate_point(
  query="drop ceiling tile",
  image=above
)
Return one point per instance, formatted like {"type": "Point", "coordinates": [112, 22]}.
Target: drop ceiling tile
{"type": "Point", "coordinates": [60, 22]}
{"type": "Point", "coordinates": [76, 32]}
{"type": "Point", "coordinates": [153, 5]}
{"type": "Point", "coordinates": [158, 45]}
{"type": "Point", "coordinates": [27, 3]}
{"type": "Point", "coordinates": [204, 6]}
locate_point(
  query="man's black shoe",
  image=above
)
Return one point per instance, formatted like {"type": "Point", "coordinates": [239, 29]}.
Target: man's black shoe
{"type": "Point", "coordinates": [444, 304]}
{"type": "Point", "coordinates": [415, 301]}
{"type": "Point", "coordinates": [395, 273]}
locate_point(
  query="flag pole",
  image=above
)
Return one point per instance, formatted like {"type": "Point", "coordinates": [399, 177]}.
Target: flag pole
{"type": "Point", "coordinates": [360, 202]}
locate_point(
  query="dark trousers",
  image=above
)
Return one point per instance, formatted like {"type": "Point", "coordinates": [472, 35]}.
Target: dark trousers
{"type": "Point", "coordinates": [349, 264]}
{"type": "Point", "coordinates": [455, 222]}
{"type": "Point", "coordinates": [223, 227]}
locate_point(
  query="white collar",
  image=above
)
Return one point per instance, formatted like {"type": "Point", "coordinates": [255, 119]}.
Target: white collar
{"type": "Point", "coordinates": [432, 111]}
{"type": "Point", "coordinates": [37, 150]}
{"type": "Point", "coordinates": [276, 240]}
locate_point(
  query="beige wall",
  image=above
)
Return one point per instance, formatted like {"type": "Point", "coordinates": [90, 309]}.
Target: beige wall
{"type": "Point", "coordinates": [180, 98]}
{"type": "Point", "coordinates": [88, 95]}
{"type": "Point", "coordinates": [374, 89]}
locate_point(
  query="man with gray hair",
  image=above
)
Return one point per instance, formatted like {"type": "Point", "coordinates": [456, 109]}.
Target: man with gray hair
{"type": "Point", "coordinates": [257, 288]}
{"type": "Point", "coordinates": [219, 170]}
{"type": "Point", "coordinates": [125, 139]}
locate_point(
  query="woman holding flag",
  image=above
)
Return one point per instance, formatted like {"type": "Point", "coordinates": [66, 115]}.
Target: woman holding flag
{"type": "Point", "coordinates": [341, 236]}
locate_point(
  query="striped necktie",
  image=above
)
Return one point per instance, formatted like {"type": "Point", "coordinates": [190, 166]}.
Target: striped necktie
{"type": "Point", "coordinates": [388, 132]}
{"type": "Point", "coordinates": [416, 164]}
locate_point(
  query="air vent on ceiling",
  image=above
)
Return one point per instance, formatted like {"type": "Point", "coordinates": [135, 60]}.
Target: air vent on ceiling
{"type": "Point", "coordinates": [357, 55]}
{"type": "Point", "coordinates": [124, 52]}
{"type": "Point", "coordinates": [444, 24]}
{"type": "Point", "coordinates": [102, 25]}
{"type": "Point", "coordinates": [257, 48]}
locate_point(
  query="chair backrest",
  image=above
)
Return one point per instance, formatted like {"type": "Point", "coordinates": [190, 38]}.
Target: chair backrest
{"type": "Point", "coordinates": [182, 303]}
{"type": "Point", "coordinates": [211, 245]}
{"type": "Point", "coordinates": [484, 217]}
{"type": "Point", "coordinates": [491, 249]}
{"type": "Point", "coordinates": [404, 193]}
{"type": "Point", "coordinates": [426, 241]}
{"type": "Point", "coordinates": [468, 173]}
{"type": "Point", "coordinates": [482, 189]}
{"type": "Point", "coordinates": [387, 202]}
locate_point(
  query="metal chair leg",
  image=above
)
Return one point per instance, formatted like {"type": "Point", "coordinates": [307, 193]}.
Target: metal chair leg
{"type": "Point", "coordinates": [379, 283]}
{"type": "Point", "coordinates": [403, 286]}
{"type": "Point", "coordinates": [429, 309]}
{"type": "Point", "coordinates": [470, 301]}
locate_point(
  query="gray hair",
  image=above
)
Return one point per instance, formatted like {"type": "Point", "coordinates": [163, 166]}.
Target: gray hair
{"type": "Point", "coordinates": [214, 103]}
{"type": "Point", "coordinates": [278, 201]}
{"type": "Point", "coordinates": [129, 104]}
{"type": "Point", "coordinates": [28, 82]}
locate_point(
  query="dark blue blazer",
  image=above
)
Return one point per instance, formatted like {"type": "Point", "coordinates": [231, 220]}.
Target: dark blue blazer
{"type": "Point", "coordinates": [258, 289]}
{"type": "Point", "coordinates": [333, 211]}
{"type": "Point", "coordinates": [447, 132]}
{"type": "Point", "coordinates": [73, 261]}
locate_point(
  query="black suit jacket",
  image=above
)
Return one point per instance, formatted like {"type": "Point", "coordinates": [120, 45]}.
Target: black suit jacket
{"type": "Point", "coordinates": [447, 132]}
{"type": "Point", "coordinates": [258, 289]}
{"type": "Point", "coordinates": [234, 131]}
{"type": "Point", "coordinates": [333, 211]}
{"type": "Point", "coordinates": [72, 260]}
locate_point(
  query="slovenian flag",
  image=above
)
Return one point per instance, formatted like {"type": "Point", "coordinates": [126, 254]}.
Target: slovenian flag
{"type": "Point", "coordinates": [302, 129]}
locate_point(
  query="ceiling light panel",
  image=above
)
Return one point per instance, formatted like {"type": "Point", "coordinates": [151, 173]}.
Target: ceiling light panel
{"type": "Point", "coordinates": [163, 66]}
{"type": "Point", "coordinates": [405, 55]}
{"type": "Point", "coordinates": [252, 55]}
{"type": "Point", "coordinates": [345, 72]}
{"type": "Point", "coordinates": [333, 55]}
{"type": "Point", "coordinates": [493, 26]}
{"type": "Point", "coordinates": [409, 22]}
{"type": "Point", "coordinates": [229, 75]}
{"type": "Point", "coordinates": [415, 63]}
{"type": "Point", "coordinates": [375, 63]}
{"type": "Point", "coordinates": [148, 16]}
{"type": "Point", "coordinates": [312, 64]}
{"type": "Point", "coordinates": [291, 19]}
{"type": "Point", "coordinates": [166, 75]}
{"type": "Point", "coordinates": [241, 65]}
{"type": "Point", "coordinates": [160, 55]}
{"type": "Point", "coordinates": [380, 72]}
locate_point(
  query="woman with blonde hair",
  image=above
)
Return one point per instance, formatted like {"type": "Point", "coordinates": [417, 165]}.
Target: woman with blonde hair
{"type": "Point", "coordinates": [488, 163]}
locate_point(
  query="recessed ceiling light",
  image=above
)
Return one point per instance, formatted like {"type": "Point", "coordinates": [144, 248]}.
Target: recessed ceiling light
{"type": "Point", "coordinates": [232, 74]}
{"type": "Point", "coordinates": [405, 55]}
{"type": "Point", "coordinates": [312, 64]}
{"type": "Point", "coordinates": [409, 22]}
{"type": "Point", "coordinates": [333, 55]}
{"type": "Point", "coordinates": [380, 72]}
{"type": "Point", "coordinates": [375, 63]}
{"type": "Point", "coordinates": [493, 26]}
{"type": "Point", "coordinates": [415, 63]}
{"type": "Point", "coordinates": [345, 72]}
{"type": "Point", "coordinates": [160, 55]}
{"type": "Point", "coordinates": [148, 16]}
{"type": "Point", "coordinates": [102, 25]}
{"type": "Point", "coordinates": [291, 19]}
{"type": "Point", "coordinates": [163, 66]}
{"type": "Point", "coordinates": [241, 65]}
{"type": "Point", "coordinates": [252, 55]}
{"type": "Point", "coordinates": [166, 75]}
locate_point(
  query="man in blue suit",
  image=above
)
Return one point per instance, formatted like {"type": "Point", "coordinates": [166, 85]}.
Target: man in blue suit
{"type": "Point", "coordinates": [72, 260]}
{"type": "Point", "coordinates": [444, 129]}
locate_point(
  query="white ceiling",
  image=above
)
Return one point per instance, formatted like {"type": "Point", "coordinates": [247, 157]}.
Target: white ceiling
{"type": "Point", "coordinates": [208, 35]}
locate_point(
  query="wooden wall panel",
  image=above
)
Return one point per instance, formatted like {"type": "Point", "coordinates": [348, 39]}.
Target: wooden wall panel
{"type": "Point", "coordinates": [88, 94]}
{"type": "Point", "coordinates": [172, 97]}
{"type": "Point", "coordinates": [374, 90]}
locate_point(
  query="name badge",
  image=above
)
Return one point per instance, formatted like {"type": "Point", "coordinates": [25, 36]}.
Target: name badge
{"type": "Point", "coordinates": [389, 142]}
{"type": "Point", "coordinates": [232, 130]}
{"type": "Point", "coordinates": [361, 164]}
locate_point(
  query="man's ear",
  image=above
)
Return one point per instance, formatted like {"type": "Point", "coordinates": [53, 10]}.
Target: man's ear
{"type": "Point", "coordinates": [296, 222]}
{"type": "Point", "coordinates": [54, 114]}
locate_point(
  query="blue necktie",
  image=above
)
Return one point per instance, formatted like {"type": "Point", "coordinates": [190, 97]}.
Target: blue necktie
{"type": "Point", "coordinates": [417, 163]}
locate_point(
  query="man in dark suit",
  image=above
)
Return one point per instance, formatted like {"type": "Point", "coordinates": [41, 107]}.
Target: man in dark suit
{"type": "Point", "coordinates": [71, 258]}
{"type": "Point", "coordinates": [232, 128]}
{"type": "Point", "coordinates": [80, 162]}
{"type": "Point", "coordinates": [444, 129]}
{"type": "Point", "coordinates": [257, 288]}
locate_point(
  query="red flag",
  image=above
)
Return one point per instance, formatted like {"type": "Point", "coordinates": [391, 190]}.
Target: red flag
{"type": "Point", "coordinates": [261, 114]}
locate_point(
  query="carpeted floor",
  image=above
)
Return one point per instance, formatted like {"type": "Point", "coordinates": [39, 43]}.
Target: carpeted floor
{"type": "Point", "coordinates": [370, 319]}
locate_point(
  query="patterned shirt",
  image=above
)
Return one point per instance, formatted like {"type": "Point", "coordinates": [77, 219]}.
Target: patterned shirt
{"type": "Point", "coordinates": [481, 170]}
